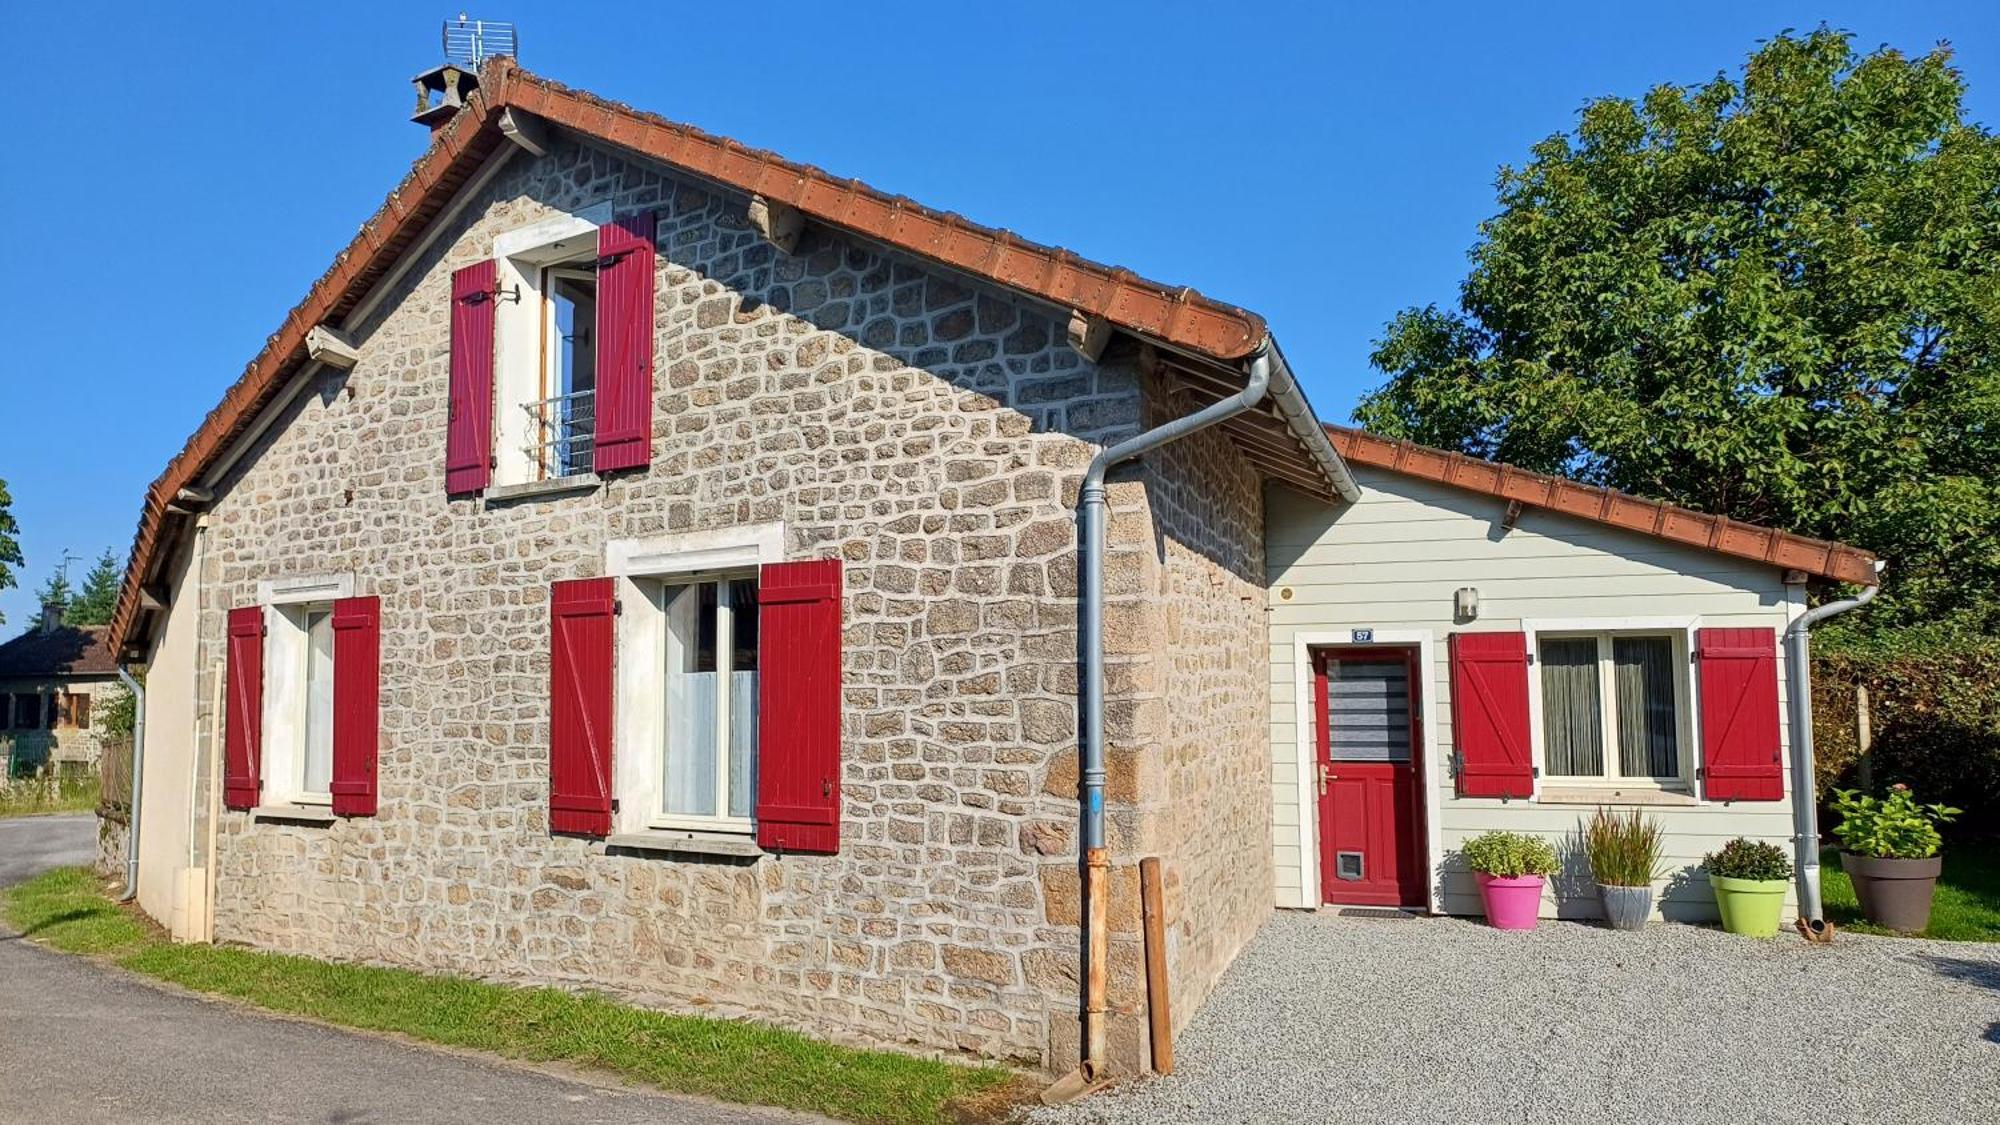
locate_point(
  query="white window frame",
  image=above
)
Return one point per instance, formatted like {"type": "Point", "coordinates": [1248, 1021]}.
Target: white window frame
{"type": "Point", "coordinates": [643, 569]}
{"type": "Point", "coordinates": [286, 602]}
{"type": "Point", "coordinates": [525, 359]}
{"type": "Point", "coordinates": [1686, 703]}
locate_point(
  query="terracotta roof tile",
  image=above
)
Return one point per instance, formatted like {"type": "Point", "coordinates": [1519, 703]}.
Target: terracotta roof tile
{"type": "Point", "coordinates": [1178, 317]}
{"type": "Point", "coordinates": [1607, 506]}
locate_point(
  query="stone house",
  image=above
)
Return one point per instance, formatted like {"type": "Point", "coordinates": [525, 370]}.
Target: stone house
{"type": "Point", "coordinates": [645, 563]}
{"type": "Point", "coordinates": [54, 682]}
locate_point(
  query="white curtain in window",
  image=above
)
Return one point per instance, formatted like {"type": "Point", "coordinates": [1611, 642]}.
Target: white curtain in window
{"type": "Point", "coordinates": [319, 703]}
{"type": "Point", "coordinates": [690, 743]}
{"type": "Point", "coordinates": [1572, 722]}
{"type": "Point", "coordinates": [1647, 735]}
{"type": "Point", "coordinates": [742, 741]}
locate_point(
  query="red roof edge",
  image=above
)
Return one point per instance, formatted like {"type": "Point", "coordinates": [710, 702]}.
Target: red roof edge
{"type": "Point", "coordinates": [1820, 557]}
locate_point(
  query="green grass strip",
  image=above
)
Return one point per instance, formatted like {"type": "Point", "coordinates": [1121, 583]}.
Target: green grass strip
{"type": "Point", "coordinates": [37, 796]}
{"type": "Point", "coordinates": [725, 1059]}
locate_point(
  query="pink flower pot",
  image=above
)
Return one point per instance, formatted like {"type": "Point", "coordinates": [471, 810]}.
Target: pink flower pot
{"type": "Point", "coordinates": [1511, 903]}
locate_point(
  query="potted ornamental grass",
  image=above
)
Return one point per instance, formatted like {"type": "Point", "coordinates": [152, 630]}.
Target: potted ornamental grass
{"type": "Point", "coordinates": [1889, 848]}
{"type": "Point", "coordinates": [1624, 853]}
{"type": "Point", "coordinates": [1749, 878]}
{"type": "Point", "coordinates": [1511, 869]}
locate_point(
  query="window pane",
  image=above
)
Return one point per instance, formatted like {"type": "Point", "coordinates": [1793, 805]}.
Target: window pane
{"type": "Point", "coordinates": [573, 305]}
{"type": "Point", "coordinates": [319, 702]}
{"type": "Point", "coordinates": [743, 698]}
{"type": "Point", "coordinates": [690, 749]}
{"type": "Point", "coordinates": [1368, 710]}
{"type": "Point", "coordinates": [1572, 724]}
{"type": "Point", "coordinates": [1648, 737]}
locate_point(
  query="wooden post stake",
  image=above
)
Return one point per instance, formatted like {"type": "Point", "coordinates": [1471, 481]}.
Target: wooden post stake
{"type": "Point", "coordinates": [1153, 908]}
{"type": "Point", "coordinates": [1864, 737]}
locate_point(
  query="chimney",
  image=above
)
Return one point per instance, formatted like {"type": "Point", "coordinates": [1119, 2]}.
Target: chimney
{"type": "Point", "coordinates": [52, 616]}
{"type": "Point", "coordinates": [450, 84]}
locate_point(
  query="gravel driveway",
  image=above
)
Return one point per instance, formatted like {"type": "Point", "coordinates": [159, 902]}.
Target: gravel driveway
{"type": "Point", "coordinates": [1325, 1018]}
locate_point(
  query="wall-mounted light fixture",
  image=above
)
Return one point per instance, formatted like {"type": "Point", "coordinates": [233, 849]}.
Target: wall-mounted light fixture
{"type": "Point", "coordinates": [1466, 602]}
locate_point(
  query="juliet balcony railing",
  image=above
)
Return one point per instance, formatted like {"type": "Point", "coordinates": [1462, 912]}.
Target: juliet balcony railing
{"type": "Point", "coordinates": [561, 429]}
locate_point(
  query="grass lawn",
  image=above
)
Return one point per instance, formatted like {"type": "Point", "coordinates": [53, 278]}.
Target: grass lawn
{"type": "Point", "coordinates": [1967, 906]}
{"type": "Point", "coordinates": [31, 796]}
{"type": "Point", "coordinates": [734, 1061]}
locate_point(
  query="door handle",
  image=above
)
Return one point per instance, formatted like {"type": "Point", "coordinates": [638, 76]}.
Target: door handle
{"type": "Point", "coordinates": [1325, 775]}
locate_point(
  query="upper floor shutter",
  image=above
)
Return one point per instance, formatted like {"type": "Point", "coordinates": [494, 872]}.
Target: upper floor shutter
{"type": "Point", "coordinates": [624, 418]}
{"type": "Point", "coordinates": [1489, 714]}
{"type": "Point", "coordinates": [798, 706]}
{"type": "Point", "coordinates": [357, 678]}
{"type": "Point", "coordinates": [1742, 759]}
{"type": "Point", "coordinates": [468, 443]}
{"type": "Point", "coordinates": [243, 726]}
{"type": "Point", "coordinates": [580, 669]}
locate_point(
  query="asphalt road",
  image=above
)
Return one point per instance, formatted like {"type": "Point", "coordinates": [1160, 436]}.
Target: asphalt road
{"type": "Point", "coordinates": [86, 1044]}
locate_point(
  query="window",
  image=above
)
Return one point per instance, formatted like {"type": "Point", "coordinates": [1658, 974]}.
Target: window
{"type": "Point", "coordinates": [1614, 707]}
{"type": "Point", "coordinates": [27, 710]}
{"type": "Point", "coordinates": [564, 420]}
{"type": "Point", "coordinates": [298, 706]}
{"type": "Point", "coordinates": [545, 358]}
{"type": "Point", "coordinates": [78, 708]}
{"type": "Point", "coordinates": [708, 752]}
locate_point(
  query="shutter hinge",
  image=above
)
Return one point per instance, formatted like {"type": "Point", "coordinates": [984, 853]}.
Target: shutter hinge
{"type": "Point", "coordinates": [1534, 771]}
{"type": "Point", "coordinates": [826, 787]}
{"type": "Point", "coordinates": [1698, 772]}
{"type": "Point", "coordinates": [1457, 762]}
{"type": "Point", "coordinates": [614, 804]}
{"type": "Point", "coordinates": [617, 607]}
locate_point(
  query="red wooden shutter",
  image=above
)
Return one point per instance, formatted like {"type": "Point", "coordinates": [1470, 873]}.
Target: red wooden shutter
{"type": "Point", "coordinates": [468, 443]}
{"type": "Point", "coordinates": [624, 438]}
{"type": "Point", "coordinates": [1489, 714]}
{"type": "Point", "coordinates": [798, 706]}
{"type": "Point", "coordinates": [243, 727]}
{"type": "Point", "coordinates": [580, 666]}
{"type": "Point", "coordinates": [1741, 756]}
{"type": "Point", "coordinates": [357, 688]}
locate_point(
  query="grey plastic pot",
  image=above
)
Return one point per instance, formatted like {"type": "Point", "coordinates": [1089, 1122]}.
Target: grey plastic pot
{"type": "Point", "coordinates": [1626, 908]}
{"type": "Point", "coordinates": [1894, 892]}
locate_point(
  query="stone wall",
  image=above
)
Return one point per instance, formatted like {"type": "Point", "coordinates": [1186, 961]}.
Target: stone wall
{"type": "Point", "coordinates": [66, 747]}
{"type": "Point", "coordinates": [928, 432]}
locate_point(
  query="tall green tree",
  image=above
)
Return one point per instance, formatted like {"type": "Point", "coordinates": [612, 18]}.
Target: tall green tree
{"type": "Point", "coordinates": [56, 592]}
{"type": "Point", "coordinates": [94, 603]}
{"type": "Point", "coordinates": [1774, 296]}
{"type": "Point", "coordinates": [10, 547]}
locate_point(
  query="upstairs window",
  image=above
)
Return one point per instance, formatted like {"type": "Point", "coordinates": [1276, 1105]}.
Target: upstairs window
{"type": "Point", "coordinates": [561, 424]}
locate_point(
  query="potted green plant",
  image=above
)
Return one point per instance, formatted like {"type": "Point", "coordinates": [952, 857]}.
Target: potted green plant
{"type": "Point", "coordinates": [1749, 878]}
{"type": "Point", "coordinates": [1889, 848]}
{"type": "Point", "coordinates": [1511, 869]}
{"type": "Point", "coordinates": [1624, 853]}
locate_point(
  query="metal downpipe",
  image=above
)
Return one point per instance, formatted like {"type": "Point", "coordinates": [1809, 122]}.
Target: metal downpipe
{"type": "Point", "coordinates": [1805, 800]}
{"type": "Point", "coordinates": [138, 691]}
{"type": "Point", "coordinates": [1091, 513]}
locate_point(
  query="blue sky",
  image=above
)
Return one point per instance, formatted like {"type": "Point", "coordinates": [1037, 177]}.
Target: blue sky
{"type": "Point", "coordinates": [177, 177]}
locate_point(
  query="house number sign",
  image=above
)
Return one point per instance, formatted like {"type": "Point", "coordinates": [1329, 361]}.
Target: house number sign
{"type": "Point", "coordinates": [1363, 636]}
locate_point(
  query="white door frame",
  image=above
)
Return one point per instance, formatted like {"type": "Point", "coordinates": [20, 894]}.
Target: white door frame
{"type": "Point", "coordinates": [1307, 724]}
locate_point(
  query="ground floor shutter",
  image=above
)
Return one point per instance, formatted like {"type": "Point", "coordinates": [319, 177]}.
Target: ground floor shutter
{"type": "Point", "coordinates": [581, 617]}
{"type": "Point", "coordinates": [243, 723]}
{"type": "Point", "coordinates": [798, 706]}
{"type": "Point", "coordinates": [1742, 756]}
{"type": "Point", "coordinates": [1489, 714]}
{"type": "Point", "coordinates": [357, 678]}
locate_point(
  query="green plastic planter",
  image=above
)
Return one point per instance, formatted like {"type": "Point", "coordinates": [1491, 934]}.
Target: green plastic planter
{"type": "Point", "coordinates": [1750, 906]}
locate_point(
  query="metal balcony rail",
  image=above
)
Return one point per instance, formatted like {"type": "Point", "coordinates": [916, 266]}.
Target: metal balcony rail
{"type": "Point", "coordinates": [561, 431]}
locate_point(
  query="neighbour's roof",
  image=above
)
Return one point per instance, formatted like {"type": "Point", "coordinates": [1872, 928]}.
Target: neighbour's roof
{"type": "Point", "coordinates": [1201, 341]}
{"type": "Point", "coordinates": [1661, 520]}
{"type": "Point", "coordinates": [66, 650]}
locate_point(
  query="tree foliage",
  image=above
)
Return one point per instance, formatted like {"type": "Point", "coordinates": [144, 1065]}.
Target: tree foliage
{"type": "Point", "coordinates": [94, 603]}
{"type": "Point", "coordinates": [56, 592]}
{"type": "Point", "coordinates": [1772, 297]}
{"type": "Point", "coordinates": [10, 547]}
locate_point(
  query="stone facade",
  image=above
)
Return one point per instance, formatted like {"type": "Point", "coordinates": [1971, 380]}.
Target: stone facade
{"type": "Point", "coordinates": [62, 745]}
{"type": "Point", "coordinates": [928, 431]}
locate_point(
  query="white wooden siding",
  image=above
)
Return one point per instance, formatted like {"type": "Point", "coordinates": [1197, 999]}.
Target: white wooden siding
{"type": "Point", "coordinates": [1392, 561]}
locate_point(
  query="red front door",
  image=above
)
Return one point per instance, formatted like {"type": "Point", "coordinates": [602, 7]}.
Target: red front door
{"type": "Point", "coordinates": [1370, 784]}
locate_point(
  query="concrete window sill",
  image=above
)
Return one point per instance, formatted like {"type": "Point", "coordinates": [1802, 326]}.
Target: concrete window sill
{"type": "Point", "coordinates": [538, 489]}
{"type": "Point", "coordinates": [685, 843]}
{"type": "Point", "coordinates": [295, 814]}
{"type": "Point", "coordinates": [1614, 795]}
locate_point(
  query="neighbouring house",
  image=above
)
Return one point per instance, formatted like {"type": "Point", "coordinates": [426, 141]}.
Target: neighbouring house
{"type": "Point", "coordinates": [645, 563]}
{"type": "Point", "coordinates": [55, 680]}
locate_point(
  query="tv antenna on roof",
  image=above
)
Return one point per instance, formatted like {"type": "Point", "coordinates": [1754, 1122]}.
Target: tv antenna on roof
{"type": "Point", "coordinates": [469, 42]}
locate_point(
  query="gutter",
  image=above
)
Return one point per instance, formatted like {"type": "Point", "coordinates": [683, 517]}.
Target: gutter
{"type": "Point", "coordinates": [1805, 799]}
{"type": "Point", "coordinates": [138, 691]}
{"type": "Point", "coordinates": [1268, 377]}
